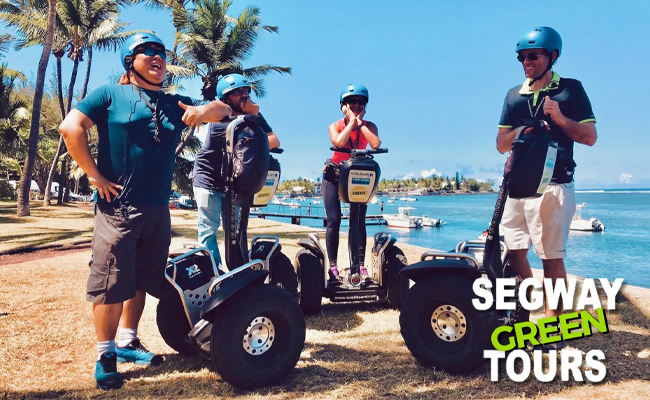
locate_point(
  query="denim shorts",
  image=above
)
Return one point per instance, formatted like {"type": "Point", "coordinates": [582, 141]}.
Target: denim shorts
{"type": "Point", "coordinates": [129, 252]}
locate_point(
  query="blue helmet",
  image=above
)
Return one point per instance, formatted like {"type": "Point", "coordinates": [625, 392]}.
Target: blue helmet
{"type": "Point", "coordinates": [353, 89]}
{"type": "Point", "coordinates": [541, 37]}
{"type": "Point", "coordinates": [126, 53]}
{"type": "Point", "coordinates": [229, 83]}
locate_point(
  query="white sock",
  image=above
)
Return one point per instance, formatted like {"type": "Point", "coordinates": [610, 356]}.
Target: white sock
{"type": "Point", "coordinates": [105, 347]}
{"type": "Point", "coordinates": [125, 336]}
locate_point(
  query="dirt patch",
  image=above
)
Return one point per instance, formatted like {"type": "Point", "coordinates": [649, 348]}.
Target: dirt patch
{"type": "Point", "coordinates": [29, 255]}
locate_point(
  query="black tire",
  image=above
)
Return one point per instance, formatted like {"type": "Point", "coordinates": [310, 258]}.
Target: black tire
{"type": "Point", "coordinates": [277, 318]}
{"type": "Point", "coordinates": [310, 281]}
{"type": "Point", "coordinates": [283, 275]}
{"type": "Point", "coordinates": [424, 320]}
{"type": "Point", "coordinates": [396, 285]}
{"type": "Point", "coordinates": [173, 325]}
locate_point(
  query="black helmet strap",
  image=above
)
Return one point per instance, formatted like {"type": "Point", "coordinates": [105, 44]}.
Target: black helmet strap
{"type": "Point", "coordinates": [145, 79]}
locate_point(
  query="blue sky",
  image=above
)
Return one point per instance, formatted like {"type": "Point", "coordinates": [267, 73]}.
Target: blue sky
{"type": "Point", "coordinates": [437, 72]}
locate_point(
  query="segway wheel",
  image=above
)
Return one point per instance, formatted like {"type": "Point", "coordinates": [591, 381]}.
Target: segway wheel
{"type": "Point", "coordinates": [396, 285]}
{"type": "Point", "coordinates": [283, 274]}
{"type": "Point", "coordinates": [258, 336]}
{"type": "Point", "coordinates": [173, 325]}
{"type": "Point", "coordinates": [441, 327]}
{"type": "Point", "coordinates": [310, 281]}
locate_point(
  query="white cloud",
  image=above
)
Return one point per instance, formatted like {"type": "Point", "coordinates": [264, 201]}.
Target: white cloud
{"type": "Point", "coordinates": [426, 174]}
{"type": "Point", "coordinates": [408, 176]}
{"type": "Point", "coordinates": [625, 178]}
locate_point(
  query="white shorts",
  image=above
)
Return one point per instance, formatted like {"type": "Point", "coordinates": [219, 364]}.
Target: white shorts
{"type": "Point", "coordinates": [544, 221]}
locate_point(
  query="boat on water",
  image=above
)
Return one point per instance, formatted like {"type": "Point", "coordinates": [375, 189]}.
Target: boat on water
{"type": "Point", "coordinates": [374, 200]}
{"type": "Point", "coordinates": [392, 199]}
{"type": "Point", "coordinates": [408, 199]}
{"type": "Point", "coordinates": [587, 225]}
{"type": "Point", "coordinates": [403, 219]}
{"type": "Point", "coordinates": [432, 222]}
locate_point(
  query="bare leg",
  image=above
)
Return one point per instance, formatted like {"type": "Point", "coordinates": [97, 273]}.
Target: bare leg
{"type": "Point", "coordinates": [133, 309]}
{"type": "Point", "coordinates": [106, 318]}
{"type": "Point", "coordinates": [521, 266]}
{"type": "Point", "coordinates": [554, 269]}
{"type": "Point", "coordinates": [519, 263]}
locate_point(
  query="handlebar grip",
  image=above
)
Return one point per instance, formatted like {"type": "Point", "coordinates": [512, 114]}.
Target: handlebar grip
{"type": "Point", "coordinates": [534, 123]}
{"type": "Point", "coordinates": [369, 151]}
{"type": "Point", "coordinates": [277, 150]}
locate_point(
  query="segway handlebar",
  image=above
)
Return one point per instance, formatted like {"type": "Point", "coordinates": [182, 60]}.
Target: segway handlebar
{"type": "Point", "coordinates": [277, 150]}
{"type": "Point", "coordinates": [359, 152]}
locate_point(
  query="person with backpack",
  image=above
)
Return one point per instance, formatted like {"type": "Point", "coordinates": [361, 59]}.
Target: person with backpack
{"type": "Point", "coordinates": [209, 186]}
{"type": "Point", "coordinates": [138, 128]}
{"type": "Point", "coordinates": [350, 132]}
{"type": "Point", "coordinates": [564, 106]}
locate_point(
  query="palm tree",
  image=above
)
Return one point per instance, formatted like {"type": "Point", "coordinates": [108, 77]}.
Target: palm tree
{"type": "Point", "coordinates": [13, 118]}
{"type": "Point", "coordinates": [210, 44]}
{"type": "Point", "coordinates": [215, 44]}
{"type": "Point", "coordinates": [32, 146]}
{"type": "Point", "coordinates": [82, 25]}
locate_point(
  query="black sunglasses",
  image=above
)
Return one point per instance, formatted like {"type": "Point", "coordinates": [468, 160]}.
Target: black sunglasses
{"type": "Point", "coordinates": [241, 91]}
{"type": "Point", "coordinates": [530, 56]}
{"type": "Point", "coordinates": [361, 102]}
{"type": "Point", "coordinates": [152, 51]}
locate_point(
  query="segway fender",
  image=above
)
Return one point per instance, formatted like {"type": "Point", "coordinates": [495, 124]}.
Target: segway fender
{"type": "Point", "coordinates": [312, 247]}
{"type": "Point", "coordinates": [230, 287]}
{"type": "Point", "coordinates": [428, 268]}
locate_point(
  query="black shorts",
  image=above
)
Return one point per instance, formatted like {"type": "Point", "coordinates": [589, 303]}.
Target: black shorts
{"type": "Point", "coordinates": [130, 248]}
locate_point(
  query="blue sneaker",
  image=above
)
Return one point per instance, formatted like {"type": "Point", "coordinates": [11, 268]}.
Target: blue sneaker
{"type": "Point", "coordinates": [106, 373]}
{"type": "Point", "coordinates": [135, 352]}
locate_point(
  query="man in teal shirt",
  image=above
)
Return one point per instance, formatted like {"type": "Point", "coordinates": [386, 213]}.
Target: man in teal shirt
{"type": "Point", "coordinates": [139, 128]}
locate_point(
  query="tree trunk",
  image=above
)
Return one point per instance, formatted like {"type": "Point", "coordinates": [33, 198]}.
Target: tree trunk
{"type": "Point", "coordinates": [184, 141]}
{"type": "Point", "coordinates": [73, 79]}
{"type": "Point", "coordinates": [24, 185]}
{"type": "Point", "coordinates": [62, 180]}
{"type": "Point", "coordinates": [59, 150]}
{"type": "Point", "coordinates": [64, 166]}
{"type": "Point", "coordinates": [84, 89]}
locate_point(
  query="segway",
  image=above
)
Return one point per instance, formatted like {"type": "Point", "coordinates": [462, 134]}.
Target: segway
{"type": "Point", "coordinates": [439, 324]}
{"type": "Point", "coordinates": [252, 332]}
{"type": "Point", "coordinates": [358, 179]}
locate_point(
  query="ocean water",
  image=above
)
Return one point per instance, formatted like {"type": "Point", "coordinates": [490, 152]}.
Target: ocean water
{"type": "Point", "coordinates": [621, 251]}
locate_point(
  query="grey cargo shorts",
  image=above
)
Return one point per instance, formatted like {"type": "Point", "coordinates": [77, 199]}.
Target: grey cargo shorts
{"type": "Point", "coordinates": [129, 252]}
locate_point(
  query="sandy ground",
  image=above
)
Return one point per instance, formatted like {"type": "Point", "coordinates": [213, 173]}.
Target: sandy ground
{"type": "Point", "coordinates": [37, 323]}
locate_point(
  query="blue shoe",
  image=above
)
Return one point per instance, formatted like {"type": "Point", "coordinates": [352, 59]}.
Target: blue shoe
{"type": "Point", "coordinates": [106, 373]}
{"type": "Point", "coordinates": [135, 352]}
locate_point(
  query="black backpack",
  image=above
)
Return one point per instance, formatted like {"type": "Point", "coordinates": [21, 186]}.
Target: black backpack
{"type": "Point", "coordinates": [529, 166]}
{"type": "Point", "coordinates": [249, 155]}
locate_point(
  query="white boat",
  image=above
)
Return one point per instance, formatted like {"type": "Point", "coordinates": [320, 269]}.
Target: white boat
{"type": "Point", "coordinates": [374, 200]}
{"type": "Point", "coordinates": [408, 199]}
{"type": "Point", "coordinates": [588, 225]}
{"type": "Point", "coordinates": [432, 222]}
{"type": "Point", "coordinates": [403, 219]}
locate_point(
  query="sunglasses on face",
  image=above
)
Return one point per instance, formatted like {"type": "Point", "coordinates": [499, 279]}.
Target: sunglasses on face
{"type": "Point", "coordinates": [152, 51]}
{"type": "Point", "coordinates": [530, 56]}
{"type": "Point", "coordinates": [241, 91]}
{"type": "Point", "coordinates": [361, 102]}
